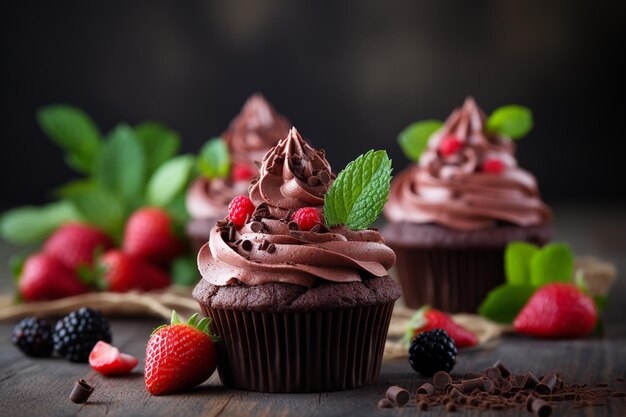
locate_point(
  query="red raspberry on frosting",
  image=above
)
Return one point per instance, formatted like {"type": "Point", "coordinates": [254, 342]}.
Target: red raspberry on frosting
{"type": "Point", "coordinates": [494, 166]}
{"type": "Point", "coordinates": [306, 218]}
{"type": "Point", "coordinates": [450, 145]}
{"type": "Point", "coordinates": [239, 209]}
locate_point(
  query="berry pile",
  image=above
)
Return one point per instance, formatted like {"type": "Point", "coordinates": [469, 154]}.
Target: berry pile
{"type": "Point", "coordinates": [73, 338]}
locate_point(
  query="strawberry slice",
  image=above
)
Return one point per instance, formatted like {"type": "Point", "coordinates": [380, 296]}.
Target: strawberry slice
{"type": "Point", "coordinates": [427, 318]}
{"type": "Point", "coordinates": [108, 360]}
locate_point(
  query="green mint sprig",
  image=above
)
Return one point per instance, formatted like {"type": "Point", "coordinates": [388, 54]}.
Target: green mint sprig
{"type": "Point", "coordinates": [513, 121]}
{"type": "Point", "coordinates": [214, 159]}
{"type": "Point", "coordinates": [527, 268]}
{"type": "Point", "coordinates": [359, 192]}
{"type": "Point", "coordinates": [414, 139]}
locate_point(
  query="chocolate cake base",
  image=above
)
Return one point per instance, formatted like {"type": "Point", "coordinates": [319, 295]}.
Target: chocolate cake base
{"type": "Point", "coordinates": [302, 349]}
{"type": "Point", "coordinates": [453, 270]}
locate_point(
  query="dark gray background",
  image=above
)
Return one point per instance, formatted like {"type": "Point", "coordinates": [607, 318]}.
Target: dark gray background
{"type": "Point", "coordinates": [350, 76]}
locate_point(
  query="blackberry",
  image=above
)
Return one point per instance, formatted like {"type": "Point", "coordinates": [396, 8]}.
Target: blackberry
{"type": "Point", "coordinates": [78, 332]}
{"type": "Point", "coordinates": [431, 352]}
{"type": "Point", "coordinates": [33, 336]}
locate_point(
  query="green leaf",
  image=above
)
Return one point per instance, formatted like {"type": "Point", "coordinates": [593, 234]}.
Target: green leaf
{"type": "Point", "coordinates": [414, 139]}
{"type": "Point", "coordinates": [214, 159]}
{"type": "Point", "coordinates": [121, 166]}
{"type": "Point", "coordinates": [504, 302]}
{"type": "Point", "coordinates": [170, 179]}
{"type": "Point", "coordinates": [360, 191]}
{"type": "Point", "coordinates": [101, 208]}
{"type": "Point", "coordinates": [29, 224]}
{"type": "Point", "coordinates": [16, 264]}
{"type": "Point", "coordinates": [512, 121]}
{"type": "Point", "coordinates": [73, 131]}
{"type": "Point", "coordinates": [175, 319]}
{"type": "Point", "coordinates": [184, 271]}
{"type": "Point", "coordinates": [553, 263]}
{"type": "Point", "coordinates": [74, 187]}
{"type": "Point", "coordinates": [517, 262]}
{"type": "Point", "coordinates": [159, 142]}
{"type": "Point", "coordinates": [192, 320]}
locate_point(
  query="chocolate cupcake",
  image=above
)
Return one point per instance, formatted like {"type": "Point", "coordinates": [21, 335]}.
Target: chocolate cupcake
{"type": "Point", "coordinates": [297, 310]}
{"type": "Point", "coordinates": [250, 135]}
{"type": "Point", "coordinates": [452, 213]}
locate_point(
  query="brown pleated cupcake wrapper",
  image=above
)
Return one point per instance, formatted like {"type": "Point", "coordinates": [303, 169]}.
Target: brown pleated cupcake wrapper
{"type": "Point", "coordinates": [454, 280]}
{"type": "Point", "coordinates": [301, 352]}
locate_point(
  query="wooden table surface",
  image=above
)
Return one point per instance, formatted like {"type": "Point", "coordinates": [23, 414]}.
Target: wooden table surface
{"type": "Point", "coordinates": [40, 387]}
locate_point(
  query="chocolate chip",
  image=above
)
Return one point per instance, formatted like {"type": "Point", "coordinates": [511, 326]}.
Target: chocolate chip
{"type": "Point", "coordinates": [426, 389]}
{"type": "Point", "coordinates": [224, 234]}
{"type": "Point", "coordinates": [293, 226]}
{"type": "Point", "coordinates": [312, 181]}
{"type": "Point", "coordinates": [231, 234]}
{"type": "Point", "coordinates": [385, 403]}
{"type": "Point", "coordinates": [271, 248]}
{"type": "Point", "coordinates": [81, 392]}
{"type": "Point", "coordinates": [256, 226]}
{"type": "Point", "coordinates": [503, 369]}
{"type": "Point", "coordinates": [324, 177]}
{"type": "Point", "coordinates": [246, 245]}
{"type": "Point", "coordinates": [441, 379]}
{"type": "Point", "coordinates": [398, 395]}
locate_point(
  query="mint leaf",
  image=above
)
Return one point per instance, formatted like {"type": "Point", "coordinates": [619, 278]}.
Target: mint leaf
{"type": "Point", "coordinates": [512, 121]}
{"type": "Point", "coordinates": [359, 192]}
{"type": "Point", "coordinates": [121, 166]}
{"type": "Point", "coordinates": [414, 139]}
{"type": "Point", "coordinates": [159, 142]}
{"type": "Point", "coordinates": [29, 224]}
{"type": "Point", "coordinates": [553, 263]}
{"type": "Point", "coordinates": [100, 207]}
{"type": "Point", "coordinates": [185, 271]}
{"type": "Point", "coordinates": [214, 159]}
{"type": "Point", "coordinates": [504, 302]}
{"type": "Point", "coordinates": [73, 131]}
{"type": "Point", "coordinates": [169, 180]}
{"type": "Point", "coordinates": [517, 262]}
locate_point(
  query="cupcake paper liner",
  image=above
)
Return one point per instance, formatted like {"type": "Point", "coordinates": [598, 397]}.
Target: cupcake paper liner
{"type": "Point", "coordinates": [453, 280]}
{"type": "Point", "coordinates": [301, 352]}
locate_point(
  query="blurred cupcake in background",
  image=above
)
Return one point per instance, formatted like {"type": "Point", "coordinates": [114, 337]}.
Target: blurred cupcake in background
{"type": "Point", "coordinates": [452, 213]}
{"type": "Point", "coordinates": [227, 165]}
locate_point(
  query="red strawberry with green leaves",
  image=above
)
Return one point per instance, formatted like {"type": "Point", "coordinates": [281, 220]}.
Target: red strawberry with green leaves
{"type": "Point", "coordinates": [108, 360]}
{"type": "Point", "coordinates": [427, 318]}
{"type": "Point", "coordinates": [557, 310]}
{"type": "Point", "coordinates": [76, 244]}
{"type": "Point", "coordinates": [180, 356]}
{"type": "Point", "coordinates": [43, 277]}
{"type": "Point", "coordinates": [123, 272]}
{"type": "Point", "coordinates": [149, 235]}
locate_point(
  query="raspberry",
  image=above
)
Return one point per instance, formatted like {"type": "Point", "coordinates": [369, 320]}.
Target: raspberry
{"type": "Point", "coordinates": [239, 209]}
{"type": "Point", "coordinates": [431, 352]}
{"type": "Point", "coordinates": [241, 172]}
{"type": "Point", "coordinates": [494, 166]}
{"type": "Point", "coordinates": [306, 218]}
{"type": "Point", "coordinates": [450, 145]}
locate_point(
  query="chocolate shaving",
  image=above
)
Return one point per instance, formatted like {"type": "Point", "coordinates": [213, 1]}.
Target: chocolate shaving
{"type": "Point", "coordinates": [271, 248]}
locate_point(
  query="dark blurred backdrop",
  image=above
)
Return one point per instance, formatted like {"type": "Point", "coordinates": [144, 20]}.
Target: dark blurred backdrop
{"type": "Point", "coordinates": [350, 76]}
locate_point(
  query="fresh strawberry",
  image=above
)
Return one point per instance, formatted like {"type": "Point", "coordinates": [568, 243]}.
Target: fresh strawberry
{"type": "Point", "coordinates": [108, 360]}
{"type": "Point", "coordinates": [239, 209]}
{"type": "Point", "coordinates": [180, 356]}
{"type": "Point", "coordinates": [241, 172]}
{"type": "Point", "coordinates": [75, 244]}
{"type": "Point", "coordinates": [149, 235]}
{"type": "Point", "coordinates": [427, 318]}
{"type": "Point", "coordinates": [123, 272]}
{"type": "Point", "coordinates": [306, 218]}
{"type": "Point", "coordinates": [44, 277]}
{"type": "Point", "coordinates": [557, 310]}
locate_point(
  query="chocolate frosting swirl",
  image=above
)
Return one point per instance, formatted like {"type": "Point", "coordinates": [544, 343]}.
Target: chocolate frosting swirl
{"type": "Point", "coordinates": [293, 175]}
{"type": "Point", "coordinates": [255, 130]}
{"type": "Point", "coordinates": [269, 248]}
{"type": "Point", "coordinates": [454, 191]}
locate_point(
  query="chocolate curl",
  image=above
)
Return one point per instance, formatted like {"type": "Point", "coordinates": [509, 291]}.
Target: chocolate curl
{"type": "Point", "coordinates": [441, 379]}
{"type": "Point", "coordinates": [385, 403]}
{"type": "Point", "coordinates": [547, 384]}
{"type": "Point", "coordinates": [398, 395]}
{"type": "Point", "coordinates": [531, 381]}
{"type": "Point", "coordinates": [503, 369]}
{"type": "Point", "coordinates": [470, 385]}
{"type": "Point", "coordinates": [426, 389]}
{"type": "Point", "coordinates": [81, 392]}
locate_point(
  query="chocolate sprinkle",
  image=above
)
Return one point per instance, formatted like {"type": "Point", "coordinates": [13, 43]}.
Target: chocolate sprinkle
{"type": "Point", "coordinates": [81, 392]}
